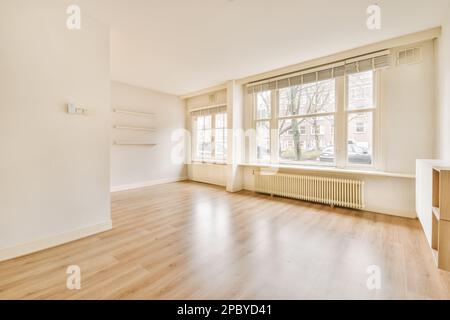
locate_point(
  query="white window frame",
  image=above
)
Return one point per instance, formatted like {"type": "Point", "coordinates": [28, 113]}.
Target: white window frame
{"type": "Point", "coordinates": [224, 130]}
{"type": "Point", "coordinates": [256, 120]}
{"type": "Point", "coordinates": [340, 127]}
{"type": "Point", "coordinates": [276, 136]}
{"type": "Point", "coordinates": [213, 159]}
{"type": "Point", "coordinates": [376, 132]}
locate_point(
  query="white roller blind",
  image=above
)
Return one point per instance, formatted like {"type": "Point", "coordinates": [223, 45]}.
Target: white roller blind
{"type": "Point", "coordinates": [208, 111]}
{"type": "Point", "coordinates": [367, 62]}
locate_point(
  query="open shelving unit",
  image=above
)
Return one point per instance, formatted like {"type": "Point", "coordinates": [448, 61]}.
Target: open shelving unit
{"type": "Point", "coordinates": [142, 139]}
{"type": "Point", "coordinates": [440, 230]}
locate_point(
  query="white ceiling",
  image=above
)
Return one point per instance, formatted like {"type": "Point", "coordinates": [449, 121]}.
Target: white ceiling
{"type": "Point", "coordinates": [179, 46]}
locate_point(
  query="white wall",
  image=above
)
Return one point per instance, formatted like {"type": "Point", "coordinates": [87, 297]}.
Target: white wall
{"type": "Point", "coordinates": [54, 167]}
{"type": "Point", "coordinates": [135, 166]}
{"type": "Point", "coordinates": [443, 92]}
{"type": "Point", "coordinates": [208, 173]}
{"type": "Point", "coordinates": [408, 116]}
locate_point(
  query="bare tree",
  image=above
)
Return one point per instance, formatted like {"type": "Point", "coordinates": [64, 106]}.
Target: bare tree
{"type": "Point", "coordinates": [305, 100]}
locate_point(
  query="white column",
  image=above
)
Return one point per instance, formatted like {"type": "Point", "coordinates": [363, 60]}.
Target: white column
{"type": "Point", "coordinates": [235, 155]}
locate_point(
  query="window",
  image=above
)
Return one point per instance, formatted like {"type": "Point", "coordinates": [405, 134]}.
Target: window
{"type": "Point", "coordinates": [302, 130]}
{"type": "Point", "coordinates": [204, 137]}
{"type": "Point", "coordinates": [360, 114]}
{"type": "Point", "coordinates": [263, 116]}
{"type": "Point", "coordinates": [220, 137]}
{"type": "Point", "coordinates": [210, 135]}
{"type": "Point", "coordinates": [360, 127]}
{"type": "Point", "coordinates": [316, 124]}
{"type": "Point", "coordinates": [305, 121]}
{"type": "Point", "coordinates": [317, 129]}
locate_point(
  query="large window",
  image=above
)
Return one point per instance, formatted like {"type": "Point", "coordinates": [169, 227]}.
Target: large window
{"type": "Point", "coordinates": [220, 137]}
{"type": "Point", "coordinates": [329, 122]}
{"type": "Point", "coordinates": [306, 116]}
{"type": "Point", "coordinates": [263, 115]}
{"type": "Point", "coordinates": [210, 135]}
{"type": "Point", "coordinates": [360, 110]}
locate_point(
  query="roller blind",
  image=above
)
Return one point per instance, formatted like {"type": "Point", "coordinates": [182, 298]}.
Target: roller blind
{"type": "Point", "coordinates": [208, 111]}
{"type": "Point", "coordinates": [373, 61]}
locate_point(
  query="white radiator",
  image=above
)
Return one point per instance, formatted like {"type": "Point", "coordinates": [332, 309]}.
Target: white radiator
{"type": "Point", "coordinates": [332, 191]}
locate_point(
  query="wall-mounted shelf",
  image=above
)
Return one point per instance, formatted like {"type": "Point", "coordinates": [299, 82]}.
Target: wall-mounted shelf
{"type": "Point", "coordinates": [134, 113]}
{"type": "Point", "coordinates": [133, 143]}
{"type": "Point", "coordinates": [135, 128]}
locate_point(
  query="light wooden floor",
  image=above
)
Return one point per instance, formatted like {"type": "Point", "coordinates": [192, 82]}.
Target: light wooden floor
{"type": "Point", "coordinates": [193, 241]}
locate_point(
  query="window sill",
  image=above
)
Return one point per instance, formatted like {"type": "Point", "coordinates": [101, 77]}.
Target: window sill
{"type": "Point", "coordinates": [331, 170]}
{"type": "Point", "coordinates": [220, 163]}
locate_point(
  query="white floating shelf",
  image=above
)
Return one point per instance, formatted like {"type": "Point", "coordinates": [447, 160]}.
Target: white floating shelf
{"type": "Point", "coordinates": [135, 128]}
{"type": "Point", "coordinates": [134, 113]}
{"type": "Point", "coordinates": [134, 143]}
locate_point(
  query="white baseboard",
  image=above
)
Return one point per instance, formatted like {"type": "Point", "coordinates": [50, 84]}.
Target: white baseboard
{"type": "Point", "coordinates": [379, 210]}
{"type": "Point", "coordinates": [52, 241]}
{"type": "Point", "coordinates": [392, 212]}
{"type": "Point", "coordinates": [146, 184]}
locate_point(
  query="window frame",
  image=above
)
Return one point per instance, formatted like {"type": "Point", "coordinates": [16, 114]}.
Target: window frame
{"type": "Point", "coordinates": [270, 120]}
{"type": "Point", "coordinates": [376, 114]}
{"type": "Point", "coordinates": [305, 116]}
{"type": "Point", "coordinates": [340, 127]}
{"type": "Point", "coordinates": [213, 114]}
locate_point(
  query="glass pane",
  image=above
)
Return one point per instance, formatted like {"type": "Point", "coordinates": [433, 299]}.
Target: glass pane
{"type": "Point", "coordinates": [225, 149]}
{"type": "Point", "coordinates": [360, 90]}
{"type": "Point", "coordinates": [311, 98]}
{"type": "Point", "coordinates": [220, 144]}
{"type": "Point", "coordinates": [307, 140]}
{"type": "Point", "coordinates": [221, 120]}
{"type": "Point", "coordinates": [199, 142]}
{"type": "Point", "coordinates": [206, 145]}
{"type": "Point", "coordinates": [263, 140]}
{"type": "Point", "coordinates": [289, 101]}
{"type": "Point", "coordinates": [200, 123]}
{"type": "Point", "coordinates": [263, 105]}
{"type": "Point", "coordinates": [208, 122]}
{"type": "Point", "coordinates": [360, 137]}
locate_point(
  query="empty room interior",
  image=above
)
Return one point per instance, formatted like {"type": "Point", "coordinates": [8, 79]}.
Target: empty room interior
{"type": "Point", "coordinates": [224, 150]}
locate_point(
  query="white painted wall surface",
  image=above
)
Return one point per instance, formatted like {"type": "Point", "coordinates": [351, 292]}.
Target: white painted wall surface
{"type": "Point", "coordinates": [208, 173]}
{"type": "Point", "coordinates": [54, 167]}
{"type": "Point", "coordinates": [408, 111]}
{"type": "Point", "coordinates": [137, 166]}
{"type": "Point", "coordinates": [443, 92]}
